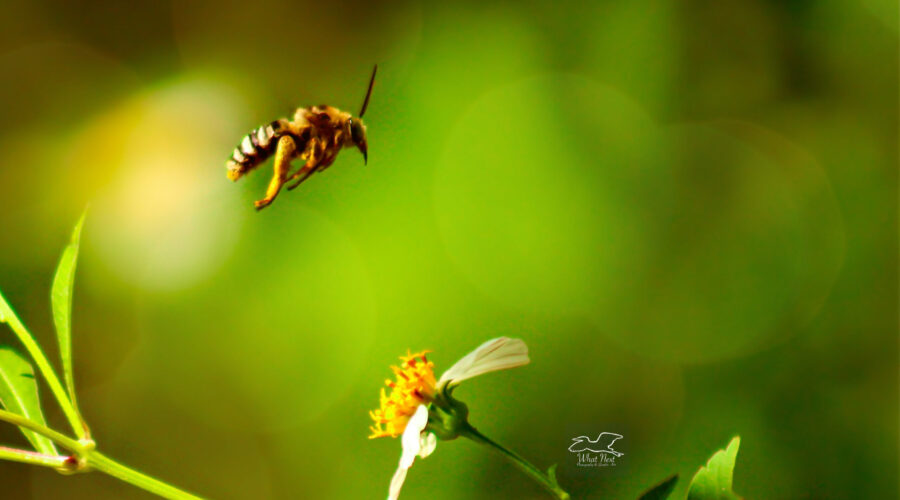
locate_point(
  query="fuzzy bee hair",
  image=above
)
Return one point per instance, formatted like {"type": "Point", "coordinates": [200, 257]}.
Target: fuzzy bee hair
{"type": "Point", "coordinates": [315, 134]}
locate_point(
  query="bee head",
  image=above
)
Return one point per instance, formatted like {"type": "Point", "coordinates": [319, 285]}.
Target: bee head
{"type": "Point", "coordinates": [358, 136]}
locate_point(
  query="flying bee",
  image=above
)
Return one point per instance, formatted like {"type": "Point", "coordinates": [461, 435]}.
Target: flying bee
{"type": "Point", "coordinates": [315, 135]}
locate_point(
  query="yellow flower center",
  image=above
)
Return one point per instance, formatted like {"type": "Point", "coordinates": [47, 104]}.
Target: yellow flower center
{"type": "Point", "coordinates": [414, 386]}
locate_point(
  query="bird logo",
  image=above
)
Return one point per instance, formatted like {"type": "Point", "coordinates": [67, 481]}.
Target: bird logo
{"type": "Point", "coordinates": [603, 444]}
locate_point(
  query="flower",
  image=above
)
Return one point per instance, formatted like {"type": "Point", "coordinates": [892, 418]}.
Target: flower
{"type": "Point", "coordinates": [415, 386]}
{"type": "Point", "coordinates": [415, 396]}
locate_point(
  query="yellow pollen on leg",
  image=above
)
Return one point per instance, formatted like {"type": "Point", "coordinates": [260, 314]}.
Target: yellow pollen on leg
{"type": "Point", "coordinates": [413, 386]}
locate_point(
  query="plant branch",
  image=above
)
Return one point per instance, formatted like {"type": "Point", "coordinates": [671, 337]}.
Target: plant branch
{"type": "Point", "coordinates": [109, 466]}
{"type": "Point", "coordinates": [32, 457]}
{"type": "Point", "coordinates": [9, 316]}
{"type": "Point", "coordinates": [547, 481]}
{"type": "Point", "coordinates": [57, 437]}
{"type": "Point", "coordinates": [86, 455]}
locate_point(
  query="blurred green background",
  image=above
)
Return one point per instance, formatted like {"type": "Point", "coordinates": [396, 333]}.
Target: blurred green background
{"type": "Point", "coordinates": [688, 210]}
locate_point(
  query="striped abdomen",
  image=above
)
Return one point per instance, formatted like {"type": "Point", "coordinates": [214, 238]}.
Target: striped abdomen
{"type": "Point", "coordinates": [254, 149]}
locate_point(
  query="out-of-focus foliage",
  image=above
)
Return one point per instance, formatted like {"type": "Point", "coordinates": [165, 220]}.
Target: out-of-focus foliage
{"type": "Point", "coordinates": [713, 481]}
{"type": "Point", "coordinates": [662, 490]}
{"type": "Point", "coordinates": [686, 209]}
{"type": "Point", "coordinates": [19, 394]}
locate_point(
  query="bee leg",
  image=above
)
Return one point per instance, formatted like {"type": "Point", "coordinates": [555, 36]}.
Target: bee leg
{"type": "Point", "coordinates": [305, 172]}
{"type": "Point", "coordinates": [301, 176]}
{"type": "Point", "coordinates": [327, 161]}
{"type": "Point", "coordinates": [331, 153]}
{"type": "Point", "coordinates": [285, 152]}
{"type": "Point", "coordinates": [311, 165]}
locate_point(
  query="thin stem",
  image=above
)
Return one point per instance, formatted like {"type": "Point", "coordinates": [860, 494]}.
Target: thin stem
{"type": "Point", "coordinates": [8, 315]}
{"type": "Point", "coordinates": [549, 483]}
{"type": "Point", "coordinates": [57, 437]}
{"type": "Point", "coordinates": [109, 466]}
{"type": "Point", "coordinates": [32, 457]}
{"type": "Point", "coordinates": [92, 458]}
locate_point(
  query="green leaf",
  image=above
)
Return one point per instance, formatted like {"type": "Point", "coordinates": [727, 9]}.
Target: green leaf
{"type": "Point", "coordinates": [19, 394]}
{"type": "Point", "coordinates": [713, 482]}
{"type": "Point", "coordinates": [551, 474]}
{"type": "Point", "coordinates": [662, 490]}
{"type": "Point", "coordinates": [61, 296]}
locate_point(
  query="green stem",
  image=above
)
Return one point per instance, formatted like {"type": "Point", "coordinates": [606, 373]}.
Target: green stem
{"type": "Point", "coordinates": [109, 466]}
{"type": "Point", "coordinates": [32, 457]}
{"type": "Point", "coordinates": [9, 316]}
{"type": "Point", "coordinates": [93, 459]}
{"type": "Point", "coordinates": [57, 437]}
{"type": "Point", "coordinates": [547, 481]}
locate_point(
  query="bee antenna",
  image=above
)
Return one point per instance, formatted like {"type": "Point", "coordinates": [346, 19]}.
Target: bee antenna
{"type": "Point", "coordinates": [368, 92]}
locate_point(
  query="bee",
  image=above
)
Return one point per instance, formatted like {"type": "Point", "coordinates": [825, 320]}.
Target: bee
{"type": "Point", "coordinates": [315, 134]}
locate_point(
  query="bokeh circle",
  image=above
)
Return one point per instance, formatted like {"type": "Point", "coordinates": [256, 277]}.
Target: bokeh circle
{"type": "Point", "coordinates": [687, 243]}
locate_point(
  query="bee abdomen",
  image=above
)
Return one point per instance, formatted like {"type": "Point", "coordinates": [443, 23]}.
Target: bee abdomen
{"type": "Point", "coordinates": [254, 149]}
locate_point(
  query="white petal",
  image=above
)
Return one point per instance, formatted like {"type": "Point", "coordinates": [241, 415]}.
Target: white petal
{"type": "Point", "coordinates": [411, 442]}
{"type": "Point", "coordinates": [397, 483]}
{"type": "Point", "coordinates": [495, 354]}
{"type": "Point", "coordinates": [427, 443]}
{"type": "Point", "coordinates": [410, 439]}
